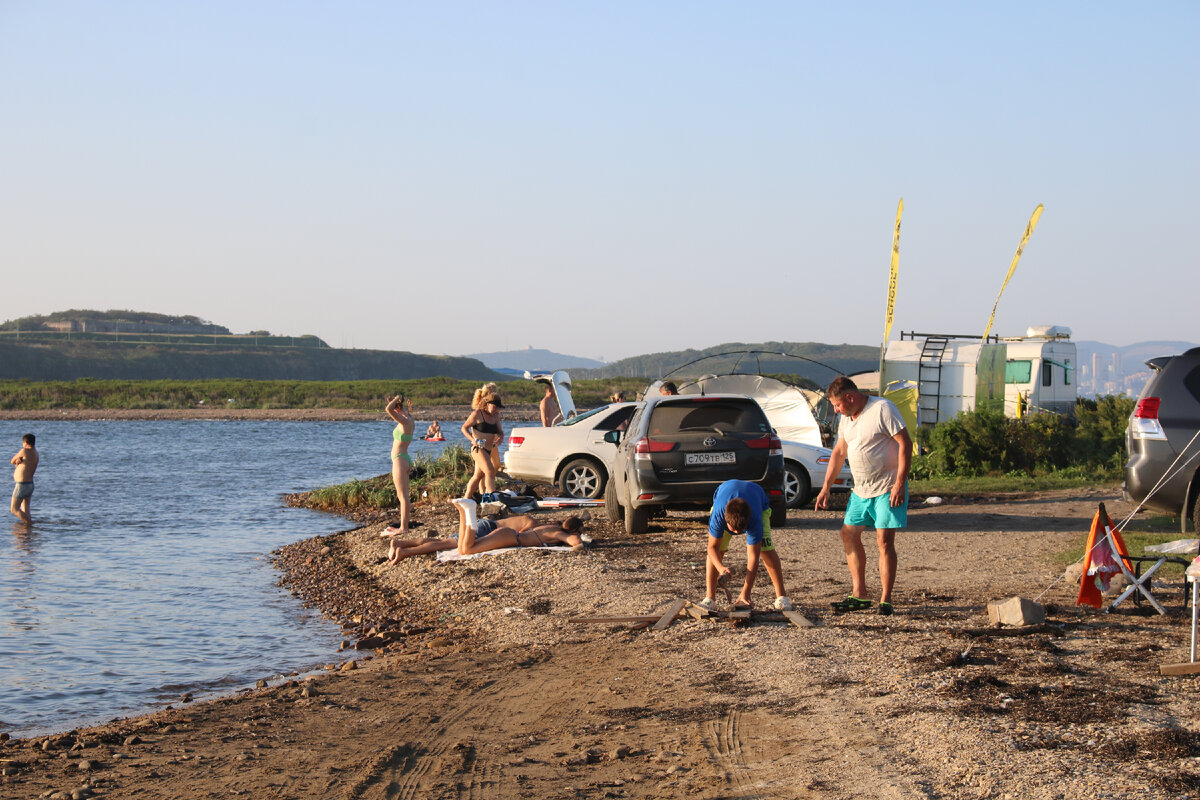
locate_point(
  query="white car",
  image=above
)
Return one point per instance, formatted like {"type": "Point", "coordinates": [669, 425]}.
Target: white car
{"type": "Point", "coordinates": [804, 468]}
{"type": "Point", "coordinates": [572, 455]}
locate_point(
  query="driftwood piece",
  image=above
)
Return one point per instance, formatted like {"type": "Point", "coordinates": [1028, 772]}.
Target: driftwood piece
{"type": "Point", "coordinates": [1053, 630]}
{"type": "Point", "coordinates": [798, 619]}
{"type": "Point", "coordinates": [1186, 668]}
{"type": "Point", "coordinates": [670, 615]}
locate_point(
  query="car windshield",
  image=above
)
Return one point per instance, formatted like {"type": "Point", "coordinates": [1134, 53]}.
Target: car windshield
{"type": "Point", "coordinates": [584, 415]}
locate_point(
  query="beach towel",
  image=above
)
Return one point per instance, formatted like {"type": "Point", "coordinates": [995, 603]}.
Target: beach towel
{"type": "Point", "coordinates": [446, 556]}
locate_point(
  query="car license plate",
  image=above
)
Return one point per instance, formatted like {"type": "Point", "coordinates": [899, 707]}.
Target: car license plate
{"type": "Point", "coordinates": [710, 458]}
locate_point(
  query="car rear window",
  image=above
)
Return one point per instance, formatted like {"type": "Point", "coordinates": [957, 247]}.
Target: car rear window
{"type": "Point", "coordinates": [709, 414]}
{"type": "Point", "coordinates": [1192, 382]}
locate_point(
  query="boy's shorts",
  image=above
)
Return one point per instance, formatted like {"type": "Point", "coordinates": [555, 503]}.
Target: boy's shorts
{"type": "Point", "coordinates": [767, 544]}
{"type": "Point", "coordinates": [876, 512]}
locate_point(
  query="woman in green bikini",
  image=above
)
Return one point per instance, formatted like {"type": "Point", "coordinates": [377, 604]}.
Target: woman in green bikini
{"type": "Point", "coordinates": [402, 435]}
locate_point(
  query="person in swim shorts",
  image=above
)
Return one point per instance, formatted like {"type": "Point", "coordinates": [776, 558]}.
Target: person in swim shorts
{"type": "Point", "coordinates": [742, 507]}
{"type": "Point", "coordinates": [872, 435]}
{"type": "Point", "coordinates": [25, 463]}
{"type": "Point", "coordinates": [481, 535]}
{"type": "Point", "coordinates": [402, 436]}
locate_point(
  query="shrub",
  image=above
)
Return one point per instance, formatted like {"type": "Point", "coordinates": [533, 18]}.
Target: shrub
{"type": "Point", "coordinates": [978, 443]}
{"type": "Point", "coordinates": [436, 479]}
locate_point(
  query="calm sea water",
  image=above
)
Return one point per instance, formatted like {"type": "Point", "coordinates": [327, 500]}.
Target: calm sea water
{"type": "Point", "coordinates": [147, 572]}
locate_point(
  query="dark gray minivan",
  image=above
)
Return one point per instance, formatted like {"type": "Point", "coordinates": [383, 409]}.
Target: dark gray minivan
{"type": "Point", "coordinates": [677, 449]}
{"type": "Point", "coordinates": [1163, 442]}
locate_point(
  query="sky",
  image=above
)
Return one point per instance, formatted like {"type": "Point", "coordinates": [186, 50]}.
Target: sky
{"type": "Point", "coordinates": [603, 179]}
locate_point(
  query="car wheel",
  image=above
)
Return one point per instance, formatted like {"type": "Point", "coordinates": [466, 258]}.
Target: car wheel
{"type": "Point", "coordinates": [636, 519]}
{"type": "Point", "coordinates": [797, 486]}
{"type": "Point", "coordinates": [612, 508]}
{"type": "Point", "coordinates": [581, 478]}
{"type": "Point", "coordinates": [778, 513]}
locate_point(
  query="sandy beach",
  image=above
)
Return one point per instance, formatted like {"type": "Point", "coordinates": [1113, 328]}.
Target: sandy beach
{"type": "Point", "coordinates": [473, 681]}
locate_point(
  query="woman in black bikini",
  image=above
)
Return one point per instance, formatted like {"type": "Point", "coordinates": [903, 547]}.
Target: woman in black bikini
{"type": "Point", "coordinates": [483, 429]}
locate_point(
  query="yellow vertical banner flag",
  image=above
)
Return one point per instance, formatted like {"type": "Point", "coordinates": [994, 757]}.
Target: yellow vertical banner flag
{"type": "Point", "coordinates": [1033, 221]}
{"type": "Point", "coordinates": [891, 299]}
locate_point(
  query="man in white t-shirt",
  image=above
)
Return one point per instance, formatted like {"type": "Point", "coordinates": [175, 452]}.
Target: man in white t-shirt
{"type": "Point", "coordinates": [871, 434]}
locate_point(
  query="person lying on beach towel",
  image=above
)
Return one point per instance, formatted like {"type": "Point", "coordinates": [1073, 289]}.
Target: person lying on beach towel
{"type": "Point", "coordinates": [479, 536]}
{"type": "Point", "coordinates": [568, 532]}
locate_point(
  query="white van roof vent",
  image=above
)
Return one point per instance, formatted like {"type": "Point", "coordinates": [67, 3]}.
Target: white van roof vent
{"type": "Point", "coordinates": [1048, 332]}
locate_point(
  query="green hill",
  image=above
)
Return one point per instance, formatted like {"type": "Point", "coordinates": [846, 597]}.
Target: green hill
{"type": "Point", "coordinates": [141, 345]}
{"type": "Point", "coordinates": [817, 362]}
{"type": "Point", "coordinates": [54, 357]}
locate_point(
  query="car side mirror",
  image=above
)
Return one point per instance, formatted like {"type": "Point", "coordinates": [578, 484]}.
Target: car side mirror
{"type": "Point", "coordinates": [612, 437]}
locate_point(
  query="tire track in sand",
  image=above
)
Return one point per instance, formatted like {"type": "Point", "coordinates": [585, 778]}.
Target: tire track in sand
{"type": "Point", "coordinates": [407, 771]}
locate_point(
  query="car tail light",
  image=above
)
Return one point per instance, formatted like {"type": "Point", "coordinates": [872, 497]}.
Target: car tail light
{"type": "Point", "coordinates": [766, 442]}
{"type": "Point", "coordinates": [646, 446]}
{"type": "Point", "coordinates": [1144, 423]}
{"type": "Point", "coordinates": [822, 459]}
{"type": "Point", "coordinates": [515, 441]}
{"type": "Point", "coordinates": [775, 492]}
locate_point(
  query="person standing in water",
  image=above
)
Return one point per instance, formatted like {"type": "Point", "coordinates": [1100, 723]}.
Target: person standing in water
{"type": "Point", "coordinates": [402, 436]}
{"type": "Point", "coordinates": [25, 463]}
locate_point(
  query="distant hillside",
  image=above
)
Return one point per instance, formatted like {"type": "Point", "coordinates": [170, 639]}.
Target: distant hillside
{"type": "Point", "coordinates": [141, 345]}
{"type": "Point", "coordinates": [534, 360]}
{"type": "Point", "coordinates": [46, 357]}
{"type": "Point", "coordinates": [789, 358]}
{"type": "Point", "coordinates": [87, 321]}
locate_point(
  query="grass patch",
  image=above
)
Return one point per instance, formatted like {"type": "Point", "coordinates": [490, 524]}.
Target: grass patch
{"type": "Point", "coordinates": [435, 479]}
{"type": "Point", "coordinates": [985, 484]}
{"type": "Point", "coordinates": [1136, 541]}
{"type": "Point", "coordinates": [237, 393]}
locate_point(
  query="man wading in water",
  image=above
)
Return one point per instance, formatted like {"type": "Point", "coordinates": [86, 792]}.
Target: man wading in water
{"type": "Point", "coordinates": [26, 463]}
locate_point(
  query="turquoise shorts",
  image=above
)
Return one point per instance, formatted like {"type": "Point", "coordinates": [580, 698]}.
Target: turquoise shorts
{"type": "Point", "coordinates": [876, 512]}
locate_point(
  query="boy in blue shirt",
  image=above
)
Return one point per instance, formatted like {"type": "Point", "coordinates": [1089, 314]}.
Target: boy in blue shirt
{"type": "Point", "coordinates": [742, 507]}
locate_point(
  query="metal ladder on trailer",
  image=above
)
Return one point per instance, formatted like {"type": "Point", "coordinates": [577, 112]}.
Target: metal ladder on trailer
{"type": "Point", "coordinates": [929, 380]}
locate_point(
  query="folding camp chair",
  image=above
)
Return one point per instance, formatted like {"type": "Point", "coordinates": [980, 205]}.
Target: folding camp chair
{"type": "Point", "coordinates": [1106, 554]}
{"type": "Point", "coordinates": [1131, 566]}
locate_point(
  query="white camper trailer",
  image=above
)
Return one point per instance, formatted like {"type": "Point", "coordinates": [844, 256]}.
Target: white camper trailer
{"type": "Point", "coordinates": [1040, 376]}
{"type": "Point", "coordinates": [952, 374]}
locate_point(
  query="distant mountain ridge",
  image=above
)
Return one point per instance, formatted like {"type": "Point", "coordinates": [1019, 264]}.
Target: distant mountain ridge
{"type": "Point", "coordinates": [534, 360]}
{"type": "Point", "coordinates": [1131, 354]}
{"type": "Point", "coordinates": [815, 361]}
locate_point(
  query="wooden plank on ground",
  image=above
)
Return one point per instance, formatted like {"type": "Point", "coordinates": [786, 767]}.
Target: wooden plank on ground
{"type": "Point", "coordinates": [741, 613]}
{"type": "Point", "coordinates": [798, 619]}
{"type": "Point", "coordinates": [695, 610]}
{"type": "Point", "coordinates": [615, 620]}
{"type": "Point", "coordinates": [1187, 668]}
{"type": "Point", "coordinates": [670, 615]}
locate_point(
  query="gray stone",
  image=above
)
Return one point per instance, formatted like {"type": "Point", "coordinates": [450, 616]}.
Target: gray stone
{"type": "Point", "coordinates": [1016, 612]}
